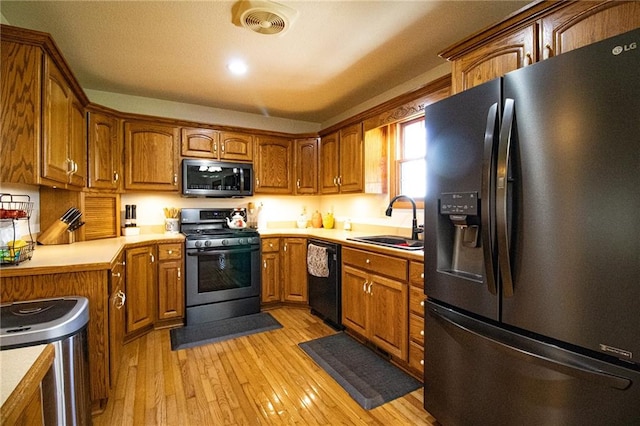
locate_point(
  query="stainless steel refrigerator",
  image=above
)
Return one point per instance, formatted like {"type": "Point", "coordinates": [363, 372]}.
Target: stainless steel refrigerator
{"type": "Point", "coordinates": [532, 244]}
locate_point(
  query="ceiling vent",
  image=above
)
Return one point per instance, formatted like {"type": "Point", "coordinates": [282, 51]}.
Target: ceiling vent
{"type": "Point", "coordinates": [263, 17]}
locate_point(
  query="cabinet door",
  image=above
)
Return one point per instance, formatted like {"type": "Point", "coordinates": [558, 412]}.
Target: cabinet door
{"type": "Point", "coordinates": [354, 299]}
{"type": "Point", "coordinates": [582, 23]}
{"type": "Point", "coordinates": [141, 283]}
{"type": "Point", "coordinates": [494, 59]}
{"type": "Point", "coordinates": [270, 277]}
{"type": "Point", "coordinates": [117, 301]}
{"type": "Point", "coordinates": [151, 156]}
{"type": "Point", "coordinates": [389, 315]}
{"type": "Point", "coordinates": [351, 177]}
{"type": "Point", "coordinates": [273, 166]}
{"type": "Point", "coordinates": [294, 273]}
{"type": "Point", "coordinates": [329, 164]}
{"type": "Point", "coordinates": [77, 144]}
{"type": "Point", "coordinates": [56, 164]}
{"type": "Point", "coordinates": [236, 146]}
{"type": "Point", "coordinates": [20, 113]}
{"type": "Point", "coordinates": [201, 143]}
{"type": "Point", "coordinates": [306, 161]}
{"type": "Point", "coordinates": [170, 289]}
{"type": "Point", "coordinates": [105, 152]}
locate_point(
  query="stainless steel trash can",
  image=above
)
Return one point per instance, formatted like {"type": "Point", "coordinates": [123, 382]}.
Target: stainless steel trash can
{"type": "Point", "coordinates": [63, 323]}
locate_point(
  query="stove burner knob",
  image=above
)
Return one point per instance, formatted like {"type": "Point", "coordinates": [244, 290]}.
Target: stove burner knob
{"type": "Point", "coordinates": [241, 241]}
{"type": "Point", "coordinates": [198, 243]}
{"type": "Point", "coordinates": [225, 242]}
{"type": "Point", "coordinates": [207, 243]}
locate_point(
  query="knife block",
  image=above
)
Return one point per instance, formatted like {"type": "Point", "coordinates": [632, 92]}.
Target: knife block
{"type": "Point", "coordinates": [56, 234]}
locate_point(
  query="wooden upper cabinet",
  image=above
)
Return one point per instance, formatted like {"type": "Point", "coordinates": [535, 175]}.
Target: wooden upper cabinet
{"type": "Point", "coordinates": [306, 164]}
{"type": "Point", "coordinates": [351, 177]}
{"type": "Point", "coordinates": [342, 161]}
{"type": "Point", "coordinates": [151, 156]}
{"type": "Point", "coordinates": [543, 30]}
{"type": "Point", "coordinates": [64, 141]}
{"type": "Point", "coordinates": [273, 167]}
{"type": "Point", "coordinates": [105, 151]}
{"type": "Point", "coordinates": [515, 50]}
{"type": "Point", "coordinates": [329, 163]}
{"type": "Point", "coordinates": [20, 114]}
{"type": "Point", "coordinates": [236, 146]}
{"type": "Point", "coordinates": [582, 23]}
{"type": "Point", "coordinates": [209, 143]}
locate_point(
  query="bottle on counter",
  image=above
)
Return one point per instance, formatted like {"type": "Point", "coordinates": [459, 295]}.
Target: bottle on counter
{"type": "Point", "coordinates": [127, 216]}
{"type": "Point", "coordinates": [133, 215]}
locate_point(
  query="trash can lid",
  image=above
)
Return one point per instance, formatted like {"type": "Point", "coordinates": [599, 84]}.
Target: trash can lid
{"type": "Point", "coordinates": [41, 321]}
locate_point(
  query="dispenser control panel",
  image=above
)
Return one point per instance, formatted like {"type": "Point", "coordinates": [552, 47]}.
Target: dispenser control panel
{"type": "Point", "coordinates": [459, 203]}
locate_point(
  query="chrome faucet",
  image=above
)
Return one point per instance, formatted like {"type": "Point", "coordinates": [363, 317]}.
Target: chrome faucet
{"type": "Point", "coordinates": [415, 230]}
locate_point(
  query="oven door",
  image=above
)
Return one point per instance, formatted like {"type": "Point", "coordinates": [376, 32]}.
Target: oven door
{"type": "Point", "coordinates": [222, 274]}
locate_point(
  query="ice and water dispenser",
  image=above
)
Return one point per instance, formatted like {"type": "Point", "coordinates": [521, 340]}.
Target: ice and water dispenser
{"type": "Point", "coordinates": [459, 242]}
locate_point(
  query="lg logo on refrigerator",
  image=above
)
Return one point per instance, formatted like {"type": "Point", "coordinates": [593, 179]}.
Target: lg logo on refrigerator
{"type": "Point", "coordinates": [621, 49]}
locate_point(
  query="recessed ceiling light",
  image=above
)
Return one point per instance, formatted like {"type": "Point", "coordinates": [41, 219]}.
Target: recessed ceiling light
{"type": "Point", "coordinates": [237, 67]}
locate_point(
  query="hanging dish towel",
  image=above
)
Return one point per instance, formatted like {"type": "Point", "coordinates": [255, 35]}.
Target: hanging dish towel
{"type": "Point", "coordinates": [317, 261]}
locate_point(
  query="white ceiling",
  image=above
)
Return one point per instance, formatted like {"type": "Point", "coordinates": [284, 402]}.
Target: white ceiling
{"type": "Point", "coordinates": [336, 54]}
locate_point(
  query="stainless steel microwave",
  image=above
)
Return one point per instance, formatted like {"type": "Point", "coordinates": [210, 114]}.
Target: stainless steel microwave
{"type": "Point", "coordinates": [220, 179]}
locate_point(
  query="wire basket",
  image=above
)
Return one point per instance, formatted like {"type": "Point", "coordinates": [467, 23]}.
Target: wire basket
{"type": "Point", "coordinates": [14, 208]}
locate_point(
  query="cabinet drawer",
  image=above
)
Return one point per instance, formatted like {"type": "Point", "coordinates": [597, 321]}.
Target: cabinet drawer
{"type": "Point", "coordinates": [270, 244]}
{"type": "Point", "coordinates": [416, 274]}
{"type": "Point", "coordinates": [169, 251]}
{"type": "Point", "coordinates": [384, 265]}
{"type": "Point", "coordinates": [416, 300]}
{"type": "Point", "coordinates": [416, 356]}
{"type": "Point", "coordinates": [416, 329]}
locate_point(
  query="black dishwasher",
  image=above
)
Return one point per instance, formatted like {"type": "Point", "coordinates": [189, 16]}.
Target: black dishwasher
{"type": "Point", "coordinates": [324, 280]}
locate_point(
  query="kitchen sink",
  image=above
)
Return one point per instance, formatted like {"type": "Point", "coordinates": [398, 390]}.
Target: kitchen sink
{"type": "Point", "coordinates": [393, 241]}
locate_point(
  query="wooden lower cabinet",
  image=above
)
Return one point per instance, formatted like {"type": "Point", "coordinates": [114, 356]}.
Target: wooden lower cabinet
{"type": "Point", "coordinates": [271, 287]}
{"type": "Point", "coordinates": [284, 272]}
{"type": "Point", "coordinates": [141, 277]}
{"type": "Point", "coordinates": [170, 284]}
{"type": "Point", "coordinates": [373, 305]}
{"type": "Point", "coordinates": [94, 286]}
{"type": "Point", "coordinates": [294, 271]}
{"type": "Point", "coordinates": [416, 316]}
{"type": "Point", "coordinates": [117, 301]}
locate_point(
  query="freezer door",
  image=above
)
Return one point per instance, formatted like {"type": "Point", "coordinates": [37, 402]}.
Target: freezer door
{"type": "Point", "coordinates": [575, 255]}
{"type": "Point", "coordinates": [459, 257]}
{"type": "Point", "coordinates": [477, 373]}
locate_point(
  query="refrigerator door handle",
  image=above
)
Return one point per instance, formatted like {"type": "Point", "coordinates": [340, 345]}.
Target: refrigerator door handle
{"type": "Point", "coordinates": [502, 198]}
{"type": "Point", "coordinates": [487, 197]}
{"type": "Point", "coordinates": [539, 353]}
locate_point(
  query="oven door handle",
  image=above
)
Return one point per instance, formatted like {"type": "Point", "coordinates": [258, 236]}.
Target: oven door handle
{"type": "Point", "coordinates": [219, 250]}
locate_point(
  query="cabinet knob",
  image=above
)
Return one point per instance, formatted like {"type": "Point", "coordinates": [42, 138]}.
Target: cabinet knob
{"type": "Point", "coordinates": [422, 333]}
{"type": "Point", "coordinates": [422, 276]}
{"type": "Point", "coordinates": [270, 245]}
{"type": "Point", "coordinates": [116, 274]}
{"type": "Point", "coordinates": [367, 261]}
{"type": "Point", "coordinates": [170, 252]}
{"type": "Point", "coordinates": [422, 362]}
{"type": "Point", "coordinates": [422, 303]}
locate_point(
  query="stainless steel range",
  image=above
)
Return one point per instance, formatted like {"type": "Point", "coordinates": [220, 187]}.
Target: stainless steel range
{"type": "Point", "coordinates": [222, 266]}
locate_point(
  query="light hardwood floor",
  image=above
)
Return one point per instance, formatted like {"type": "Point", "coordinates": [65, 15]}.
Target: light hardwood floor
{"type": "Point", "coordinates": [261, 379]}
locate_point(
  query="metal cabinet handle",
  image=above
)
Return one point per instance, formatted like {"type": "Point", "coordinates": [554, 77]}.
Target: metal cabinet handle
{"type": "Point", "coordinates": [116, 176]}
{"type": "Point", "coordinates": [549, 49]}
{"type": "Point", "coordinates": [370, 289]}
{"type": "Point", "coordinates": [119, 299]}
{"type": "Point", "coordinates": [264, 264]}
{"type": "Point", "coordinates": [339, 180]}
{"type": "Point", "coordinates": [364, 286]}
{"type": "Point", "coordinates": [222, 147]}
{"type": "Point", "coordinates": [257, 182]}
{"type": "Point", "coordinates": [335, 181]}
{"type": "Point", "coordinates": [285, 247]}
{"type": "Point", "coordinates": [215, 147]}
{"type": "Point", "coordinates": [298, 183]}
{"type": "Point", "coordinates": [179, 273]}
{"type": "Point", "coordinates": [116, 274]}
{"type": "Point", "coordinates": [153, 259]}
{"type": "Point", "coordinates": [175, 178]}
{"type": "Point", "coordinates": [529, 58]}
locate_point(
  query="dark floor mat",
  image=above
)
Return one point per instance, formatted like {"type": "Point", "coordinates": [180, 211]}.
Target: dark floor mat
{"type": "Point", "coordinates": [367, 377]}
{"type": "Point", "coordinates": [216, 331]}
